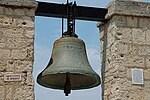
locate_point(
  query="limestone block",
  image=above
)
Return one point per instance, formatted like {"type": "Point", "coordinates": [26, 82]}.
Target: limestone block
{"type": "Point", "coordinates": [8, 92]}
{"type": "Point", "coordinates": [18, 43]}
{"type": "Point", "coordinates": [23, 92]}
{"type": "Point", "coordinates": [19, 3]}
{"type": "Point", "coordinates": [5, 54]}
{"type": "Point", "coordinates": [2, 78]}
{"type": "Point", "coordinates": [25, 22]}
{"type": "Point", "coordinates": [110, 37]}
{"type": "Point", "coordinates": [119, 95]}
{"type": "Point", "coordinates": [27, 53]}
{"type": "Point", "coordinates": [121, 21]}
{"type": "Point", "coordinates": [13, 32]}
{"type": "Point", "coordinates": [138, 36]}
{"type": "Point", "coordinates": [3, 64]}
{"type": "Point", "coordinates": [23, 78]}
{"type": "Point", "coordinates": [125, 34]}
{"type": "Point", "coordinates": [147, 74]}
{"type": "Point", "coordinates": [101, 46]}
{"type": "Point", "coordinates": [30, 12]}
{"type": "Point", "coordinates": [2, 42]}
{"type": "Point", "coordinates": [132, 22]}
{"type": "Point", "coordinates": [19, 54]}
{"type": "Point", "coordinates": [106, 97]}
{"type": "Point", "coordinates": [128, 7]}
{"type": "Point", "coordinates": [10, 66]}
{"type": "Point", "coordinates": [122, 48]}
{"type": "Point", "coordinates": [1, 10]}
{"type": "Point", "coordinates": [148, 36]}
{"type": "Point", "coordinates": [23, 65]}
{"type": "Point", "coordinates": [133, 49]}
{"type": "Point", "coordinates": [29, 33]}
{"type": "Point", "coordinates": [102, 35]}
{"type": "Point", "coordinates": [8, 21]}
{"type": "Point", "coordinates": [16, 11]}
{"type": "Point", "coordinates": [147, 85]}
{"type": "Point", "coordinates": [116, 56]}
{"type": "Point", "coordinates": [30, 52]}
{"type": "Point", "coordinates": [116, 71]}
{"type": "Point", "coordinates": [137, 95]}
{"type": "Point", "coordinates": [144, 50]}
{"type": "Point", "coordinates": [2, 82]}
{"type": "Point", "coordinates": [29, 80]}
{"type": "Point", "coordinates": [135, 61]}
{"type": "Point", "coordinates": [144, 22]}
{"type": "Point", "coordinates": [123, 84]}
{"type": "Point", "coordinates": [2, 92]}
{"type": "Point", "coordinates": [148, 62]}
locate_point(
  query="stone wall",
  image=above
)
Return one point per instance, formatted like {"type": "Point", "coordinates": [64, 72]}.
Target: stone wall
{"type": "Point", "coordinates": [125, 47]}
{"type": "Point", "coordinates": [16, 49]}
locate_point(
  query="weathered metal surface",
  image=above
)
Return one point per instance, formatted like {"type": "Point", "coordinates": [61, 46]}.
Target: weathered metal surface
{"type": "Point", "coordinates": [69, 56]}
{"type": "Point", "coordinates": [60, 10]}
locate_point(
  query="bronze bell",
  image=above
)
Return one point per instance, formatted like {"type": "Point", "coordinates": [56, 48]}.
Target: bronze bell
{"type": "Point", "coordinates": [68, 68]}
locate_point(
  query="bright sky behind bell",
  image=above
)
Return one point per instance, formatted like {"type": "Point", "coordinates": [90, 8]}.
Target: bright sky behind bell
{"type": "Point", "coordinates": [47, 30]}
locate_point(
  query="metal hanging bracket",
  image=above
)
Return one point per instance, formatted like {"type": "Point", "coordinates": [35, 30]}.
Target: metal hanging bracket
{"type": "Point", "coordinates": [82, 13]}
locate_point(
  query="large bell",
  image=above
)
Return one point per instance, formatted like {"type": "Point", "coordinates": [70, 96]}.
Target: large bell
{"type": "Point", "coordinates": [68, 68]}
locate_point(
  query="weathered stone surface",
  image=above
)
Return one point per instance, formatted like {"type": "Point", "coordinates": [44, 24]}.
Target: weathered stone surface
{"type": "Point", "coordinates": [18, 43]}
{"type": "Point", "coordinates": [19, 54]}
{"type": "Point", "coordinates": [25, 22]}
{"type": "Point", "coordinates": [128, 7]}
{"type": "Point", "coordinates": [16, 48]}
{"type": "Point", "coordinates": [23, 92]}
{"type": "Point", "coordinates": [5, 54]}
{"type": "Point", "coordinates": [125, 34]}
{"type": "Point", "coordinates": [133, 49]}
{"type": "Point", "coordinates": [1, 10]}
{"type": "Point", "coordinates": [10, 66]}
{"type": "Point", "coordinates": [8, 21]}
{"type": "Point", "coordinates": [13, 32]}
{"type": "Point", "coordinates": [137, 95]}
{"type": "Point", "coordinates": [21, 3]}
{"type": "Point", "coordinates": [135, 61]}
{"type": "Point", "coordinates": [144, 50]}
{"type": "Point", "coordinates": [2, 92]}
{"type": "Point", "coordinates": [147, 85]}
{"type": "Point", "coordinates": [147, 32]}
{"type": "Point", "coordinates": [23, 65]}
{"type": "Point", "coordinates": [144, 22]}
{"type": "Point", "coordinates": [3, 64]}
{"type": "Point", "coordinates": [8, 91]}
{"type": "Point", "coordinates": [17, 12]}
{"type": "Point", "coordinates": [127, 46]}
{"type": "Point", "coordinates": [147, 74]}
{"type": "Point", "coordinates": [29, 33]}
{"type": "Point", "coordinates": [29, 80]}
{"type": "Point", "coordinates": [132, 21]}
{"type": "Point", "coordinates": [30, 12]}
{"type": "Point", "coordinates": [2, 42]}
{"type": "Point", "coordinates": [148, 62]}
{"type": "Point", "coordinates": [138, 36]}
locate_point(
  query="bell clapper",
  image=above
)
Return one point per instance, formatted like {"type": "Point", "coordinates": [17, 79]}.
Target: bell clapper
{"type": "Point", "coordinates": [67, 86]}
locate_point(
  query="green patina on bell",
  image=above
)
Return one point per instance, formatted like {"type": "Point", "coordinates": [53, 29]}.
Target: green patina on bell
{"type": "Point", "coordinates": [68, 68]}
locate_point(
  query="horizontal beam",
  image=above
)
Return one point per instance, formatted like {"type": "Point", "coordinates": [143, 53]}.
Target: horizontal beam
{"type": "Point", "coordinates": [60, 10]}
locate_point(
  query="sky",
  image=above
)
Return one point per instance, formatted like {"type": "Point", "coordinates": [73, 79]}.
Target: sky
{"type": "Point", "coordinates": [48, 30]}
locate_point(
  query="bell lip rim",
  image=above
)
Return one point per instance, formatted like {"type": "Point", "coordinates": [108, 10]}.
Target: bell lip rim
{"type": "Point", "coordinates": [97, 82]}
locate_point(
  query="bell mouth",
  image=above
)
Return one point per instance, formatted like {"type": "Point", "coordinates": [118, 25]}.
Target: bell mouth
{"type": "Point", "coordinates": [77, 80]}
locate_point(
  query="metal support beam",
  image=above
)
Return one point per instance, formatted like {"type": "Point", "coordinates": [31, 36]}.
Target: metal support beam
{"type": "Point", "coordinates": [60, 11]}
